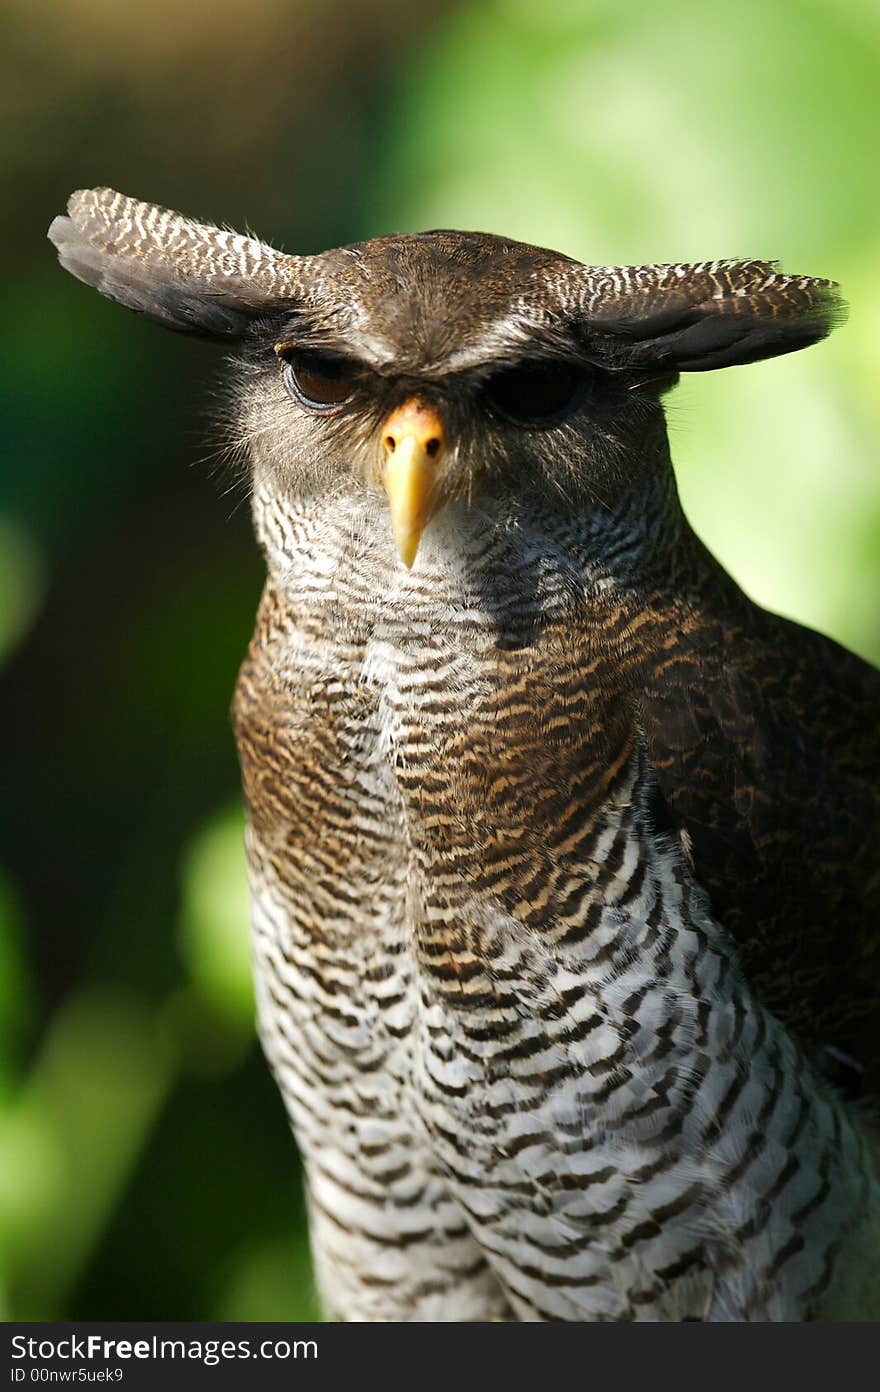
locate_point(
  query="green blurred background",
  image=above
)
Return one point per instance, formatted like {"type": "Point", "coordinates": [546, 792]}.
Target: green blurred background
{"type": "Point", "coordinates": [145, 1166]}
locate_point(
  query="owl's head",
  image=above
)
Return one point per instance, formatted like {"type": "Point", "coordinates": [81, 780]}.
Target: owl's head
{"type": "Point", "coordinates": [442, 366]}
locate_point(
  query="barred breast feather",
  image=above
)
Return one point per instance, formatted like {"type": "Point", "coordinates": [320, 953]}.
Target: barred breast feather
{"type": "Point", "coordinates": [527, 1073]}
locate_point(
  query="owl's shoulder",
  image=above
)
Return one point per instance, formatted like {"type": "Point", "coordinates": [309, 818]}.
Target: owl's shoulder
{"type": "Point", "coordinates": [765, 739]}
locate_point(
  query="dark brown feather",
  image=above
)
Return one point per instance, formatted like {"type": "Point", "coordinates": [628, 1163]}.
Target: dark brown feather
{"type": "Point", "coordinates": [765, 738]}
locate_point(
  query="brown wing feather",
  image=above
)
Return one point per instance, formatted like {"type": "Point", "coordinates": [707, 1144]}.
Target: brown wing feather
{"type": "Point", "coordinates": [765, 738]}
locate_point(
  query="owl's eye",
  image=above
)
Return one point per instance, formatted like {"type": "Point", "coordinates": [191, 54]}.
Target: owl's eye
{"type": "Point", "coordinates": [318, 380]}
{"type": "Point", "coordinates": [536, 395]}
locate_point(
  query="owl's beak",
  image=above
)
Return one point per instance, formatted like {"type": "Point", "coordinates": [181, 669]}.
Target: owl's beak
{"type": "Point", "coordinates": [414, 440]}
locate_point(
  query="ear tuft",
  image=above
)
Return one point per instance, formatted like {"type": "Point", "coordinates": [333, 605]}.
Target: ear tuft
{"type": "Point", "coordinates": [692, 318]}
{"type": "Point", "coordinates": [185, 275]}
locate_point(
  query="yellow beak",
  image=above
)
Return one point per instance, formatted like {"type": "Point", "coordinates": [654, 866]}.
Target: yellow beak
{"type": "Point", "coordinates": [414, 441]}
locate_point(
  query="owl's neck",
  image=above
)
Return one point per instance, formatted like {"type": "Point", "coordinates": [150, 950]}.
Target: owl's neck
{"type": "Point", "coordinates": [500, 554]}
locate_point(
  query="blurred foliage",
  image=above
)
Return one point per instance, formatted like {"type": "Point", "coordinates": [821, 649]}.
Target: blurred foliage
{"type": "Point", "coordinates": [16, 989]}
{"type": "Point", "coordinates": [70, 1137]}
{"type": "Point", "coordinates": [146, 1167]}
{"type": "Point", "coordinates": [20, 584]}
{"type": "Point", "coordinates": [215, 905]}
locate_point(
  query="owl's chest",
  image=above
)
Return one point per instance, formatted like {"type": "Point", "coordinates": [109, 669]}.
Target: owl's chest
{"type": "Point", "coordinates": [418, 767]}
{"type": "Point", "coordinates": [427, 744]}
{"type": "Point", "coordinates": [418, 801]}
{"type": "Point", "coordinates": [414, 741]}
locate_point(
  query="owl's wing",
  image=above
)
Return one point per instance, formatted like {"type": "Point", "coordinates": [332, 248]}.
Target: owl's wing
{"type": "Point", "coordinates": [765, 739]}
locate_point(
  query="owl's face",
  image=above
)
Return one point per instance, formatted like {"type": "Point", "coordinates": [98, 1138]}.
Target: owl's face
{"type": "Point", "coordinates": [444, 366]}
{"type": "Point", "coordinates": [436, 368]}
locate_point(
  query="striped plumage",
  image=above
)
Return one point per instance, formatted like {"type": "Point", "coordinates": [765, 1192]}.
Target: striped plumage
{"type": "Point", "coordinates": [563, 853]}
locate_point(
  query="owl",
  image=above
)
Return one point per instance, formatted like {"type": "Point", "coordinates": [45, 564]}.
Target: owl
{"type": "Point", "coordinates": [562, 852]}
